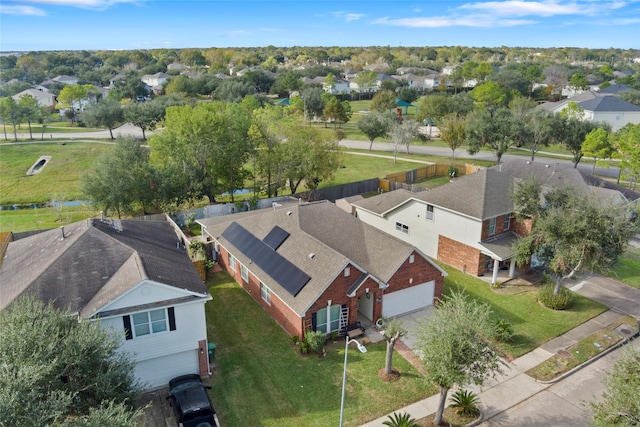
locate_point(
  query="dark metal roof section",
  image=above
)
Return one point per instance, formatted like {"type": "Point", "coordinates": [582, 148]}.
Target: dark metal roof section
{"type": "Point", "coordinates": [275, 265]}
{"type": "Point", "coordinates": [275, 237]}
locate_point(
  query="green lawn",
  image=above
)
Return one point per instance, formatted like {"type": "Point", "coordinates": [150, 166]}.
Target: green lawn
{"type": "Point", "coordinates": [627, 269]}
{"type": "Point", "coordinates": [43, 218]}
{"type": "Point", "coordinates": [262, 380]}
{"type": "Point", "coordinates": [533, 324]}
{"type": "Point", "coordinates": [58, 179]}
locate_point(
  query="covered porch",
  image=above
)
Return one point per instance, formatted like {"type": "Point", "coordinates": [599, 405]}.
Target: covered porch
{"type": "Point", "coordinates": [500, 251]}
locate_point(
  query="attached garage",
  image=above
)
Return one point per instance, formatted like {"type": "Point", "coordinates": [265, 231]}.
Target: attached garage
{"type": "Point", "coordinates": [408, 300]}
{"type": "Point", "coordinates": [158, 371]}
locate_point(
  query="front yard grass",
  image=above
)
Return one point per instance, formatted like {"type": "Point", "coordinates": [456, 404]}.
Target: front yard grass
{"type": "Point", "coordinates": [627, 269]}
{"type": "Point", "coordinates": [262, 380]}
{"type": "Point", "coordinates": [533, 324]}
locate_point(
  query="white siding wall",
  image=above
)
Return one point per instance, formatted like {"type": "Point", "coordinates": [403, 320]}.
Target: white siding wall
{"type": "Point", "coordinates": [423, 233]}
{"type": "Point", "coordinates": [616, 119]}
{"type": "Point", "coordinates": [191, 327]}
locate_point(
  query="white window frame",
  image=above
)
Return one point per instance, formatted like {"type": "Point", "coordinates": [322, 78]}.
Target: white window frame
{"type": "Point", "coordinates": [232, 262]}
{"type": "Point", "coordinates": [155, 326]}
{"type": "Point", "coordinates": [402, 228]}
{"type": "Point", "coordinates": [347, 271]}
{"type": "Point", "coordinates": [430, 212]}
{"type": "Point", "coordinates": [506, 225]}
{"type": "Point", "coordinates": [492, 226]}
{"type": "Point", "coordinates": [412, 258]}
{"type": "Point", "coordinates": [244, 273]}
{"type": "Point", "coordinates": [265, 293]}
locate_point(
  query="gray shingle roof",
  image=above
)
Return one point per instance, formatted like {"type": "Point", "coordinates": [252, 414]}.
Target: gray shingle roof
{"type": "Point", "coordinates": [322, 241]}
{"type": "Point", "coordinates": [95, 263]}
{"type": "Point", "coordinates": [481, 195]}
{"type": "Point", "coordinates": [608, 103]}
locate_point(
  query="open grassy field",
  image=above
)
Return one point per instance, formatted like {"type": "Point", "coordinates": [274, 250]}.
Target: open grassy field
{"type": "Point", "coordinates": [627, 269]}
{"type": "Point", "coordinates": [59, 179]}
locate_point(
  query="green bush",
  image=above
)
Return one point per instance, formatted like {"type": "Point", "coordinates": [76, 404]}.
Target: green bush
{"type": "Point", "coordinates": [504, 330]}
{"type": "Point", "coordinates": [400, 420]}
{"type": "Point", "coordinates": [452, 171]}
{"type": "Point", "coordinates": [556, 302]}
{"type": "Point", "coordinates": [315, 340]}
{"type": "Point", "coordinates": [465, 402]}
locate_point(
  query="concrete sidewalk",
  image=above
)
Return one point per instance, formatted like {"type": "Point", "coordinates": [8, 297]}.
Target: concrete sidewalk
{"type": "Point", "coordinates": [513, 387]}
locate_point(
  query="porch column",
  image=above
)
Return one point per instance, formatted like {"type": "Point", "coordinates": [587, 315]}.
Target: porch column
{"type": "Point", "coordinates": [496, 267]}
{"type": "Point", "coordinates": [512, 268]}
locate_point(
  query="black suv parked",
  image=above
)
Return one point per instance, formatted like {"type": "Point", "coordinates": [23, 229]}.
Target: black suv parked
{"type": "Point", "coordinates": [190, 402]}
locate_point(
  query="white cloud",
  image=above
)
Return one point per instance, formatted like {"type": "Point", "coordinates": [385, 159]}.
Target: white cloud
{"type": "Point", "coordinates": [84, 4]}
{"type": "Point", "coordinates": [21, 10]}
{"type": "Point", "coordinates": [349, 17]}
{"type": "Point", "coordinates": [509, 13]}
{"type": "Point", "coordinates": [443, 21]}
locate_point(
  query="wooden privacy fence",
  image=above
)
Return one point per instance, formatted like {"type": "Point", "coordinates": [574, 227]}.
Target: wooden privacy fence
{"type": "Point", "coordinates": [403, 179]}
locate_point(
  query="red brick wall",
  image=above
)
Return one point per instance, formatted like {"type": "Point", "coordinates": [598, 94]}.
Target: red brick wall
{"type": "Point", "coordinates": [521, 227]}
{"type": "Point", "coordinates": [499, 227]}
{"type": "Point", "coordinates": [285, 316]}
{"type": "Point", "coordinates": [460, 256]}
{"type": "Point", "coordinates": [420, 271]}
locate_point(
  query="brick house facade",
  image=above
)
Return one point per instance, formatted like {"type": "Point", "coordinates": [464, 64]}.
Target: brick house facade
{"type": "Point", "coordinates": [344, 259]}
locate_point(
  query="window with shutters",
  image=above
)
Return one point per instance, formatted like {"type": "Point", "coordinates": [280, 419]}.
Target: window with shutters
{"type": "Point", "coordinates": [149, 322]}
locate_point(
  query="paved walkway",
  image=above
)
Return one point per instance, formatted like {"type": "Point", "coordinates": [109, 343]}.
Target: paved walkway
{"type": "Point", "coordinates": [516, 399]}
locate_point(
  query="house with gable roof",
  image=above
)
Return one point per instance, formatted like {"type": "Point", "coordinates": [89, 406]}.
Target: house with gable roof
{"type": "Point", "coordinates": [133, 277]}
{"type": "Point", "coordinates": [468, 223]}
{"type": "Point", "coordinates": [313, 266]}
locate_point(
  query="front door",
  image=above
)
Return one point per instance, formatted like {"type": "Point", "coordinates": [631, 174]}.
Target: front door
{"type": "Point", "coordinates": [365, 305]}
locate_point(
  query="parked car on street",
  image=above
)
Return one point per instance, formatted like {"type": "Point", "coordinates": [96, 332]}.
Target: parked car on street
{"type": "Point", "coordinates": [190, 402]}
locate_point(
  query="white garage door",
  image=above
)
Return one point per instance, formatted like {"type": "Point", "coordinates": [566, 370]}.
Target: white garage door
{"type": "Point", "coordinates": [407, 300]}
{"type": "Point", "coordinates": [157, 372]}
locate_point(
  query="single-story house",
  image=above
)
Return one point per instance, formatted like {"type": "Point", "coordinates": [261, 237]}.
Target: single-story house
{"type": "Point", "coordinates": [313, 266]}
{"type": "Point", "coordinates": [600, 107]}
{"type": "Point", "coordinates": [45, 99]}
{"type": "Point", "coordinates": [134, 277]}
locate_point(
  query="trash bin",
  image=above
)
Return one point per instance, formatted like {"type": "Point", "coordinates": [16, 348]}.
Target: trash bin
{"type": "Point", "coordinates": [212, 352]}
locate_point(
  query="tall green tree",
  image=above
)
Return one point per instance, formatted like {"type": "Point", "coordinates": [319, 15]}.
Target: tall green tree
{"type": "Point", "coordinates": [121, 179]}
{"type": "Point", "coordinates": [336, 111]}
{"type": "Point", "coordinates": [402, 133]}
{"type": "Point", "coordinates": [71, 97]}
{"type": "Point", "coordinates": [10, 113]}
{"type": "Point", "coordinates": [308, 156]}
{"type": "Point", "coordinates": [495, 131]}
{"type": "Point", "coordinates": [453, 132]}
{"type": "Point", "coordinates": [104, 113]}
{"type": "Point", "coordinates": [489, 95]}
{"type": "Point", "coordinates": [265, 133]}
{"type": "Point", "coordinates": [145, 115]}
{"type": "Point", "coordinates": [626, 142]}
{"type": "Point", "coordinates": [539, 129]}
{"type": "Point", "coordinates": [59, 371]}
{"type": "Point", "coordinates": [620, 405]}
{"type": "Point", "coordinates": [365, 80]}
{"type": "Point", "coordinates": [572, 232]}
{"type": "Point", "coordinates": [384, 100]}
{"type": "Point", "coordinates": [373, 126]}
{"type": "Point", "coordinates": [571, 132]}
{"type": "Point", "coordinates": [456, 347]}
{"type": "Point", "coordinates": [204, 148]}
{"type": "Point", "coordinates": [30, 110]}
{"type": "Point", "coordinates": [597, 145]}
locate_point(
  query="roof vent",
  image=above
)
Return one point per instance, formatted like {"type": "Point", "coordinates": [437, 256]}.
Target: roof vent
{"type": "Point", "coordinates": [62, 230]}
{"type": "Point", "coordinates": [288, 213]}
{"type": "Point", "coordinates": [312, 255]}
{"type": "Point", "coordinates": [546, 166]}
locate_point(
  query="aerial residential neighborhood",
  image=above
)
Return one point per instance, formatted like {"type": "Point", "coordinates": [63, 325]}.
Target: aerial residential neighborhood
{"type": "Point", "coordinates": [313, 214]}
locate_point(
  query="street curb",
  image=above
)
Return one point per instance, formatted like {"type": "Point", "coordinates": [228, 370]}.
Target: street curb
{"type": "Point", "coordinates": [590, 361]}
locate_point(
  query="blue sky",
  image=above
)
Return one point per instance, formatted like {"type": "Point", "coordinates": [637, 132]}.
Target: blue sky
{"type": "Point", "coordinates": [146, 24]}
